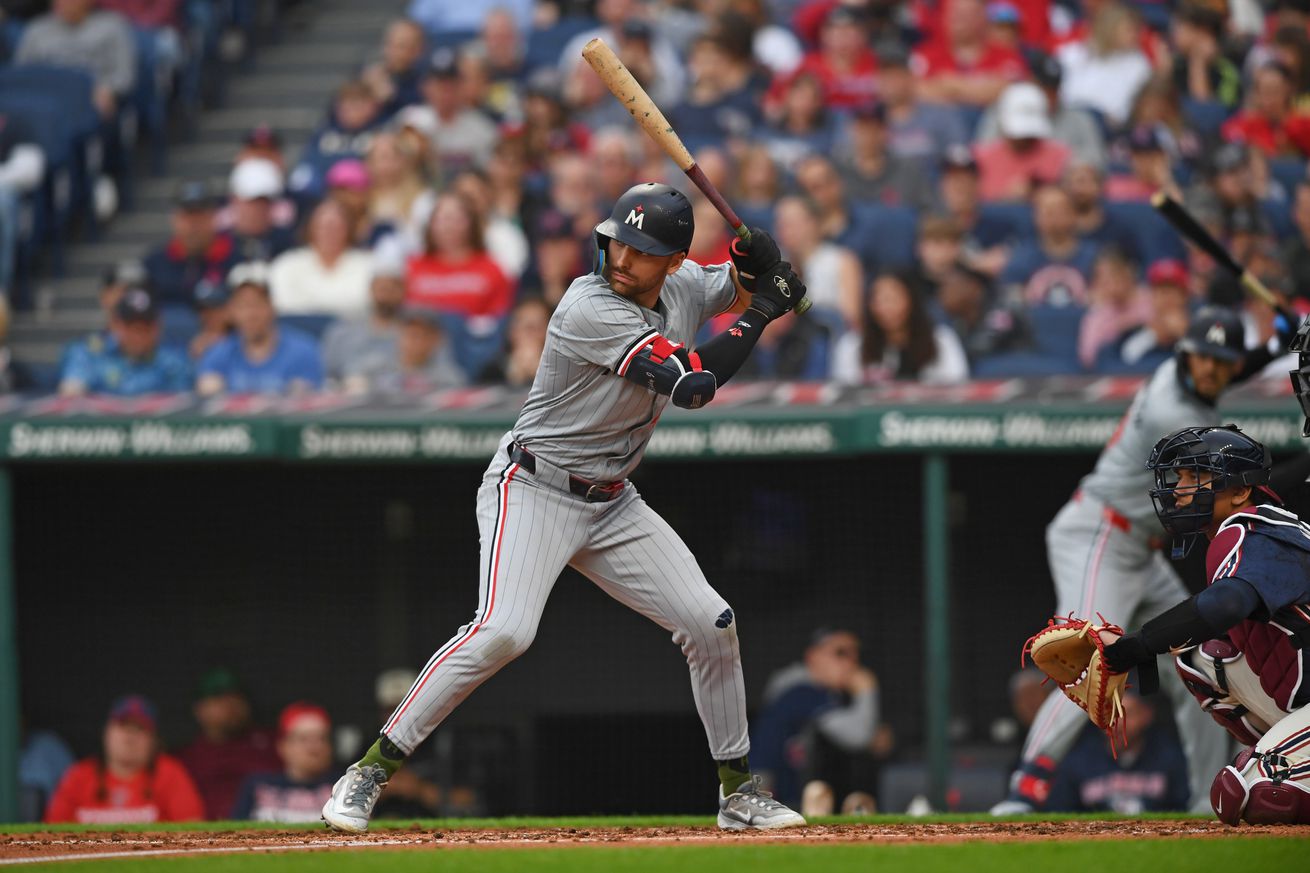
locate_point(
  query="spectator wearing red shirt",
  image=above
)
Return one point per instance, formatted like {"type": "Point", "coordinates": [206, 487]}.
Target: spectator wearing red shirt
{"type": "Point", "coordinates": [1025, 156]}
{"type": "Point", "coordinates": [229, 748]}
{"type": "Point", "coordinates": [961, 65]}
{"type": "Point", "coordinates": [844, 64]}
{"type": "Point", "coordinates": [131, 781]}
{"type": "Point", "coordinates": [1270, 122]}
{"type": "Point", "coordinates": [1034, 20]}
{"type": "Point", "coordinates": [455, 273]}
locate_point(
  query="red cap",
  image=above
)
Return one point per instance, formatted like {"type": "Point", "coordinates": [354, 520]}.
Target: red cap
{"type": "Point", "coordinates": [301, 711]}
{"type": "Point", "coordinates": [1167, 272]}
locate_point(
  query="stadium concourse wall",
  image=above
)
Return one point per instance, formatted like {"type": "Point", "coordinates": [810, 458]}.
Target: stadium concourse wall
{"type": "Point", "coordinates": [311, 542]}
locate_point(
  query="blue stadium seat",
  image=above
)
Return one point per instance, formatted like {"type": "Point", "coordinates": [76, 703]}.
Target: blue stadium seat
{"type": "Point", "coordinates": [1155, 239]}
{"type": "Point", "coordinates": [474, 343]}
{"type": "Point", "coordinates": [1002, 222]}
{"type": "Point", "coordinates": [1055, 330]}
{"type": "Point", "coordinates": [1022, 364]}
{"type": "Point", "coordinates": [1279, 216]}
{"type": "Point", "coordinates": [314, 325]}
{"type": "Point", "coordinates": [1205, 116]}
{"type": "Point", "coordinates": [545, 46]}
{"type": "Point", "coordinates": [756, 216]}
{"type": "Point", "coordinates": [180, 325]}
{"type": "Point", "coordinates": [1289, 172]}
{"type": "Point", "coordinates": [885, 236]}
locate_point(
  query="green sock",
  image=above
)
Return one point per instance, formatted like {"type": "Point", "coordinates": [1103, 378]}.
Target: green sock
{"type": "Point", "coordinates": [733, 774]}
{"type": "Point", "coordinates": [384, 754]}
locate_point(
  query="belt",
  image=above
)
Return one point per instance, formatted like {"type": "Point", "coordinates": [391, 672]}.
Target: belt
{"type": "Point", "coordinates": [592, 492]}
{"type": "Point", "coordinates": [1115, 518]}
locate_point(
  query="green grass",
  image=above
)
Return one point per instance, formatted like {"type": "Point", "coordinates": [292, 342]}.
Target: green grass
{"type": "Point", "coordinates": [590, 822]}
{"type": "Point", "coordinates": [1158, 856]}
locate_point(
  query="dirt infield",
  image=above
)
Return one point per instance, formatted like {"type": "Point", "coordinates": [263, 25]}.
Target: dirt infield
{"type": "Point", "coordinates": [31, 847]}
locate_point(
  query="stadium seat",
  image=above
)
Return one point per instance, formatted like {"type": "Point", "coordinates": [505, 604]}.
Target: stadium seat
{"type": "Point", "coordinates": [475, 342]}
{"type": "Point", "coordinates": [1290, 172]}
{"type": "Point", "coordinates": [545, 45]}
{"type": "Point", "coordinates": [1155, 239]}
{"type": "Point", "coordinates": [1002, 222]}
{"type": "Point", "coordinates": [885, 235]}
{"type": "Point", "coordinates": [1205, 116]}
{"type": "Point", "coordinates": [314, 325]}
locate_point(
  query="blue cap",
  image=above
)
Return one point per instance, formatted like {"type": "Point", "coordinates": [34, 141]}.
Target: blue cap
{"type": "Point", "coordinates": [135, 708]}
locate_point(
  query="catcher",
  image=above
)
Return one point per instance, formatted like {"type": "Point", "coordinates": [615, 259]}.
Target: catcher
{"type": "Point", "coordinates": [1240, 643]}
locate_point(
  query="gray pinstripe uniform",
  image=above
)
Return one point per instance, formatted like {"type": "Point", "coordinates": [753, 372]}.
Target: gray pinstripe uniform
{"type": "Point", "coordinates": [1103, 559]}
{"type": "Point", "coordinates": [581, 418]}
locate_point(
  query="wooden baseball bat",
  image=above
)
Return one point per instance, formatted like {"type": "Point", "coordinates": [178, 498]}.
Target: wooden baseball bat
{"type": "Point", "coordinates": [1194, 232]}
{"type": "Point", "coordinates": [628, 91]}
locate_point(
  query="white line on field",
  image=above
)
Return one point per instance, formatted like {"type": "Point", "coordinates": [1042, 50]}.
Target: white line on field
{"type": "Point", "coordinates": [148, 853]}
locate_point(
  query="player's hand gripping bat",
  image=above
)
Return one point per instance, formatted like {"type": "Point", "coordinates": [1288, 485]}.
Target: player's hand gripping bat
{"type": "Point", "coordinates": [1192, 230]}
{"type": "Point", "coordinates": [628, 91]}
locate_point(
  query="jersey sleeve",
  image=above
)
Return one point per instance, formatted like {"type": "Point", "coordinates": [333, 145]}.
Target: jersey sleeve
{"type": "Point", "coordinates": [720, 292]}
{"type": "Point", "coordinates": [602, 329]}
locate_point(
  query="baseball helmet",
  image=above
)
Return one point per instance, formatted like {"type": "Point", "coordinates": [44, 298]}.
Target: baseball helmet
{"type": "Point", "coordinates": [652, 218]}
{"type": "Point", "coordinates": [1217, 332]}
{"type": "Point", "coordinates": [1216, 458]}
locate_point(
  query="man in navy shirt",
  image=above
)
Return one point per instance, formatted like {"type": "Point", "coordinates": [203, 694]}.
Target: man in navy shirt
{"type": "Point", "coordinates": [297, 793]}
{"type": "Point", "coordinates": [196, 252]}
{"type": "Point", "coordinates": [1148, 775]}
{"type": "Point", "coordinates": [1055, 266]}
{"type": "Point", "coordinates": [129, 360]}
{"type": "Point", "coordinates": [260, 357]}
{"type": "Point", "coordinates": [828, 696]}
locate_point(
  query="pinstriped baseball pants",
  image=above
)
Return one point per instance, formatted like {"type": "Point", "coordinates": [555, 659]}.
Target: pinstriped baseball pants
{"type": "Point", "coordinates": [530, 532]}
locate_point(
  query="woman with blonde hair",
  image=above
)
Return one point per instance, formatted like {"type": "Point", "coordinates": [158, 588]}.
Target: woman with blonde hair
{"type": "Point", "coordinates": [399, 196]}
{"type": "Point", "coordinates": [1105, 71]}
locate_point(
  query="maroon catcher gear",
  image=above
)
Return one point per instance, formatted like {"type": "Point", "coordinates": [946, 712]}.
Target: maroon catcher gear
{"type": "Point", "coordinates": [1216, 700]}
{"type": "Point", "coordinates": [1255, 788]}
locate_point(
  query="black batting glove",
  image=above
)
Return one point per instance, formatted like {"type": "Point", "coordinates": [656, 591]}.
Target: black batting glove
{"type": "Point", "coordinates": [778, 291]}
{"type": "Point", "coordinates": [755, 258]}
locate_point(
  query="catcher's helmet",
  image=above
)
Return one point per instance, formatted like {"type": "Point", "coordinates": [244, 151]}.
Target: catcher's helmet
{"type": "Point", "coordinates": [652, 218]}
{"type": "Point", "coordinates": [1218, 458]}
{"type": "Point", "coordinates": [1217, 332]}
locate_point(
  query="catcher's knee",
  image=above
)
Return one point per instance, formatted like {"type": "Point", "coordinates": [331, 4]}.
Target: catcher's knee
{"type": "Point", "coordinates": [1242, 792]}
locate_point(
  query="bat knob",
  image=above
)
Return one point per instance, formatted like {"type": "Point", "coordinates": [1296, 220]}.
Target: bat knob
{"type": "Point", "coordinates": [804, 306]}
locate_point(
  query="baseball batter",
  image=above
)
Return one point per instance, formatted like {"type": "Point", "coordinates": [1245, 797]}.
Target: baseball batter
{"type": "Point", "coordinates": [1252, 622]}
{"type": "Point", "coordinates": [1103, 546]}
{"type": "Point", "coordinates": [556, 493]}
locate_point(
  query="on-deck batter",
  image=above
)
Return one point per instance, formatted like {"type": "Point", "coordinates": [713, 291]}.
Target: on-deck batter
{"type": "Point", "coordinates": [1103, 547]}
{"type": "Point", "coordinates": [556, 493]}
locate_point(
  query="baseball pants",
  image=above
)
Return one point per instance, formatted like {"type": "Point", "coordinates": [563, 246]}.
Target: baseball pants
{"type": "Point", "coordinates": [531, 528]}
{"type": "Point", "coordinates": [1101, 565]}
{"type": "Point", "coordinates": [1286, 734]}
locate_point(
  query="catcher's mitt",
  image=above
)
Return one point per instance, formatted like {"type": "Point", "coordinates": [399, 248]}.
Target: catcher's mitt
{"type": "Point", "coordinates": [1069, 650]}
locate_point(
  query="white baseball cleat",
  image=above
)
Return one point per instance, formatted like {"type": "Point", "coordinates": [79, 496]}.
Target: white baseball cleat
{"type": "Point", "coordinates": [752, 807]}
{"type": "Point", "coordinates": [1011, 807]}
{"type": "Point", "coordinates": [353, 798]}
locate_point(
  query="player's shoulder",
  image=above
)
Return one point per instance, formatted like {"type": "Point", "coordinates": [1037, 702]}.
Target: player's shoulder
{"type": "Point", "coordinates": [590, 298]}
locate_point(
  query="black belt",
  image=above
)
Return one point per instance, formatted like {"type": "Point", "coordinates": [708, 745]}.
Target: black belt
{"type": "Point", "coordinates": [592, 492]}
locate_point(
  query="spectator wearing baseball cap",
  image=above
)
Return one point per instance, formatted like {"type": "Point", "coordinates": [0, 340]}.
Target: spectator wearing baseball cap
{"type": "Point", "coordinates": [130, 360]}
{"type": "Point", "coordinates": [214, 319]}
{"type": "Point", "coordinates": [131, 781]}
{"type": "Point", "coordinates": [298, 791]}
{"type": "Point", "coordinates": [262, 141]}
{"type": "Point", "coordinates": [256, 188]}
{"type": "Point", "coordinates": [1072, 125]}
{"type": "Point", "coordinates": [197, 249]}
{"type": "Point", "coordinates": [370, 341]}
{"type": "Point", "coordinates": [229, 747]}
{"type": "Point", "coordinates": [260, 357]}
{"type": "Point", "coordinates": [1149, 169]}
{"type": "Point", "coordinates": [422, 360]}
{"type": "Point", "coordinates": [917, 131]}
{"type": "Point", "coordinates": [1143, 349]}
{"type": "Point", "coordinates": [870, 173]}
{"type": "Point", "coordinates": [1025, 156]}
{"type": "Point", "coordinates": [459, 134]}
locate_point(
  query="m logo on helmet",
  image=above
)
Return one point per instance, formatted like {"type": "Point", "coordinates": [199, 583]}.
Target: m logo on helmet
{"type": "Point", "coordinates": [636, 217]}
{"type": "Point", "coordinates": [1216, 335]}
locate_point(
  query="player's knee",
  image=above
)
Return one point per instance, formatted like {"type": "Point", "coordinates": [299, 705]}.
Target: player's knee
{"type": "Point", "coordinates": [502, 644]}
{"type": "Point", "coordinates": [1242, 793]}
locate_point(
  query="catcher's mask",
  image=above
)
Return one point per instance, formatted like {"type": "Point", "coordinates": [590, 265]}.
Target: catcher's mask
{"type": "Point", "coordinates": [1301, 375]}
{"type": "Point", "coordinates": [1217, 458]}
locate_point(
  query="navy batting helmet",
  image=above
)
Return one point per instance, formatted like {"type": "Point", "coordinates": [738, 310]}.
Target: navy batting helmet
{"type": "Point", "coordinates": [1217, 332]}
{"type": "Point", "coordinates": [652, 218]}
{"type": "Point", "coordinates": [1215, 458]}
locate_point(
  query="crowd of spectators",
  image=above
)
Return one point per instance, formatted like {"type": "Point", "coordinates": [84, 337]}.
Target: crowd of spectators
{"type": "Point", "coordinates": [231, 769]}
{"type": "Point", "coordinates": [964, 186]}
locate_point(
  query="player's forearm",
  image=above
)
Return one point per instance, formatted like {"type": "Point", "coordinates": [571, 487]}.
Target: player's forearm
{"type": "Point", "coordinates": [724, 354]}
{"type": "Point", "coordinates": [852, 727]}
{"type": "Point", "coordinates": [1202, 617]}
